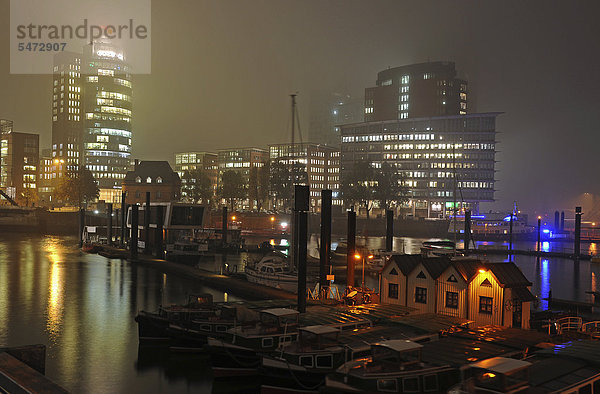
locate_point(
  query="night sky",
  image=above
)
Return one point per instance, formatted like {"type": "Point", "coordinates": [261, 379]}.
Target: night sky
{"type": "Point", "coordinates": [222, 72]}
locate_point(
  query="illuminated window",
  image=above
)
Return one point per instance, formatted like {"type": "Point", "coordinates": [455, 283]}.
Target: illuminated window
{"type": "Point", "coordinates": [405, 79]}
{"type": "Point", "coordinates": [421, 295]}
{"type": "Point", "coordinates": [138, 179]}
{"type": "Point", "coordinates": [159, 180]}
{"type": "Point", "coordinates": [148, 180]}
{"type": "Point", "coordinates": [451, 299]}
{"type": "Point", "coordinates": [485, 305]}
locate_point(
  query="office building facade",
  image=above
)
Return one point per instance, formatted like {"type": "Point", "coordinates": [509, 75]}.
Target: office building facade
{"type": "Point", "coordinates": [435, 157]}
{"type": "Point", "coordinates": [91, 116]}
{"type": "Point", "coordinates": [329, 110]}
{"type": "Point", "coordinates": [416, 91]}
{"type": "Point", "coordinates": [203, 161]}
{"type": "Point", "coordinates": [321, 163]}
{"type": "Point", "coordinates": [19, 156]}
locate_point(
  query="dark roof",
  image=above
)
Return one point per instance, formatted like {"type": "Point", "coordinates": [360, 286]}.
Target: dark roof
{"type": "Point", "coordinates": [436, 265]}
{"type": "Point", "coordinates": [467, 267]}
{"type": "Point", "coordinates": [508, 274]}
{"type": "Point", "coordinates": [152, 169]}
{"type": "Point", "coordinates": [406, 262]}
{"type": "Point", "coordinates": [522, 293]}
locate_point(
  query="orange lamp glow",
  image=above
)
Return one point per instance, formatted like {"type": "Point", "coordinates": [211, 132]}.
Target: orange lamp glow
{"type": "Point", "coordinates": [482, 271]}
{"type": "Point", "coordinates": [539, 217]}
{"type": "Point", "coordinates": [370, 256]}
{"type": "Point", "coordinates": [233, 218]}
{"type": "Point", "coordinates": [357, 256]}
{"type": "Point", "coordinates": [272, 218]}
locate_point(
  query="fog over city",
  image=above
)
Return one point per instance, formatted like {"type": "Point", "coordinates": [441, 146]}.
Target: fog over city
{"type": "Point", "coordinates": [222, 72]}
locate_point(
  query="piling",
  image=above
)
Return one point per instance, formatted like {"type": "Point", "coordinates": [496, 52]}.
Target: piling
{"type": "Point", "coordinates": [577, 242]}
{"type": "Point", "coordinates": [81, 226]}
{"type": "Point", "coordinates": [159, 241]}
{"type": "Point", "coordinates": [109, 229]}
{"type": "Point", "coordinates": [133, 247]}
{"type": "Point", "coordinates": [123, 219]}
{"type": "Point", "coordinates": [325, 245]}
{"type": "Point", "coordinates": [389, 230]}
{"type": "Point", "coordinates": [224, 228]}
{"type": "Point", "coordinates": [351, 248]}
{"type": "Point", "coordinates": [300, 239]}
{"type": "Point", "coordinates": [302, 245]}
{"type": "Point", "coordinates": [539, 229]}
{"type": "Point", "coordinates": [510, 236]}
{"type": "Point", "coordinates": [147, 225]}
{"type": "Point", "coordinates": [467, 230]}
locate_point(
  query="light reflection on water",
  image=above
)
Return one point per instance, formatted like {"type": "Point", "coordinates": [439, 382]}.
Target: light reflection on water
{"type": "Point", "coordinates": [82, 307]}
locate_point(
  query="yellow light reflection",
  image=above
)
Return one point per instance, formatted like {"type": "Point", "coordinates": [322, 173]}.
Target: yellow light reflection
{"type": "Point", "coordinates": [55, 291]}
{"type": "Point", "coordinates": [593, 249]}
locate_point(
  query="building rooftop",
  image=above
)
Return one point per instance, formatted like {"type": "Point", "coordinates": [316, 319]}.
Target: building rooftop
{"type": "Point", "coordinates": [399, 345]}
{"type": "Point", "coordinates": [501, 364]}
{"type": "Point", "coordinates": [152, 169]}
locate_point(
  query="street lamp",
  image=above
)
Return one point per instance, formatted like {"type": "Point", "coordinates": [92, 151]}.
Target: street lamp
{"type": "Point", "coordinates": [358, 257]}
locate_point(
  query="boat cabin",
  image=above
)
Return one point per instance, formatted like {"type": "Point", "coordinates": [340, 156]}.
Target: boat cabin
{"type": "Point", "coordinates": [497, 375]}
{"type": "Point", "coordinates": [397, 353]}
{"type": "Point", "coordinates": [279, 319]}
{"type": "Point", "coordinates": [480, 291]}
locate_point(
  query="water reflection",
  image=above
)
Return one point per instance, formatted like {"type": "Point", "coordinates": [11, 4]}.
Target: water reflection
{"type": "Point", "coordinates": [55, 291]}
{"type": "Point", "coordinates": [544, 284]}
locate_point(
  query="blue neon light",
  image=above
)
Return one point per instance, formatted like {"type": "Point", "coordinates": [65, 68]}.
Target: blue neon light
{"type": "Point", "coordinates": [507, 219]}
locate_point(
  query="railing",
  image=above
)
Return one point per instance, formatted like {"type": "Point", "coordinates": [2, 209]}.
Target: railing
{"type": "Point", "coordinates": [570, 323]}
{"type": "Point", "coordinates": [592, 327]}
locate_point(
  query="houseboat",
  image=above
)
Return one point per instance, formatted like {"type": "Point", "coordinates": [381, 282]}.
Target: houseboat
{"type": "Point", "coordinates": [394, 366]}
{"type": "Point", "coordinates": [153, 326]}
{"type": "Point", "coordinates": [479, 291]}
{"type": "Point", "coordinates": [238, 352]}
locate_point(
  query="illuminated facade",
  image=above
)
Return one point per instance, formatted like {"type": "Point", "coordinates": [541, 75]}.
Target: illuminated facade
{"type": "Point", "coordinates": [321, 163]}
{"type": "Point", "coordinates": [241, 160]}
{"type": "Point", "coordinates": [91, 121]}
{"type": "Point", "coordinates": [45, 184]}
{"type": "Point", "coordinates": [431, 154]}
{"type": "Point", "coordinates": [204, 161]}
{"type": "Point", "coordinates": [416, 91]}
{"type": "Point", "coordinates": [19, 165]}
{"type": "Point", "coordinates": [156, 177]}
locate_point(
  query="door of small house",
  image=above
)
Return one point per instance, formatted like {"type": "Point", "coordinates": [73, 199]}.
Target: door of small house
{"type": "Point", "coordinates": [517, 308]}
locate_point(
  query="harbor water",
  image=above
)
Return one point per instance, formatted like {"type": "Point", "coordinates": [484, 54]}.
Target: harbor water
{"type": "Point", "coordinates": [82, 307]}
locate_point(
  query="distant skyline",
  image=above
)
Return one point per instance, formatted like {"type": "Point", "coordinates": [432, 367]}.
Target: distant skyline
{"type": "Point", "coordinates": [222, 73]}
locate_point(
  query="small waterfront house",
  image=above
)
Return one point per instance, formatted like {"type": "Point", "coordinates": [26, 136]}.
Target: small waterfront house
{"type": "Point", "coordinates": [156, 177]}
{"type": "Point", "coordinates": [480, 291]}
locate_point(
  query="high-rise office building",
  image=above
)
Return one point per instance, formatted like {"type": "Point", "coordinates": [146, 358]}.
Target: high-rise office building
{"type": "Point", "coordinates": [329, 110]}
{"type": "Point", "coordinates": [416, 91]}
{"type": "Point", "coordinates": [441, 160]}
{"type": "Point", "coordinates": [91, 116]}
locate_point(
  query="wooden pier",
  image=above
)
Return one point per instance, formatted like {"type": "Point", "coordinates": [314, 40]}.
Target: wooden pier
{"type": "Point", "coordinates": [22, 371]}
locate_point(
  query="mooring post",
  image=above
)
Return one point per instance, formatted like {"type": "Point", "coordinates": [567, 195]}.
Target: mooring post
{"type": "Point", "coordinates": [224, 228]}
{"type": "Point", "coordinates": [123, 220]}
{"type": "Point", "coordinates": [577, 242]}
{"type": "Point", "coordinates": [350, 261]}
{"type": "Point", "coordinates": [325, 246]}
{"type": "Point", "coordinates": [539, 234]}
{"type": "Point", "coordinates": [467, 230]}
{"type": "Point", "coordinates": [133, 247]}
{"type": "Point", "coordinates": [109, 213]}
{"type": "Point", "coordinates": [301, 199]}
{"type": "Point", "coordinates": [389, 230]}
{"type": "Point", "coordinates": [510, 235]}
{"type": "Point", "coordinates": [81, 225]}
{"type": "Point", "coordinates": [147, 248]}
{"type": "Point", "coordinates": [159, 238]}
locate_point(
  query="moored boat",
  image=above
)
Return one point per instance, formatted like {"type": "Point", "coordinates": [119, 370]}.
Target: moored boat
{"type": "Point", "coordinates": [152, 326]}
{"type": "Point", "coordinates": [273, 270]}
{"type": "Point", "coordinates": [395, 366]}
